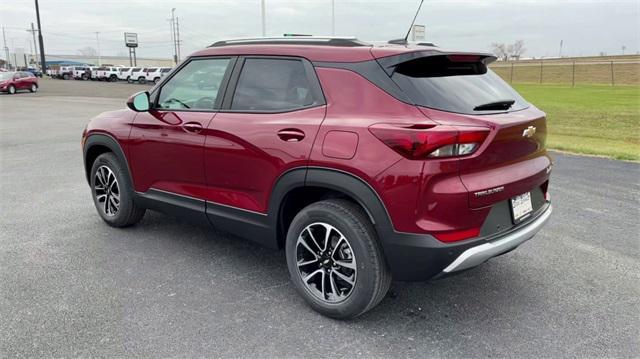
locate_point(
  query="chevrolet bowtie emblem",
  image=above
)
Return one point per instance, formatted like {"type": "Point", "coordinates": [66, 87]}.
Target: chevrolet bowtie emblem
{"type": "Point", "coordinates": [529, 132]}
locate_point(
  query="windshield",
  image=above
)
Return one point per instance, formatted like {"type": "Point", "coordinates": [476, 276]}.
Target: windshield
{"type": "Point", "coordinates": [449, 84]}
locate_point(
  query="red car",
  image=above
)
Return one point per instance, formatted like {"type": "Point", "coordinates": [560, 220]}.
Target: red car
{"type": "Point", "coordinates": [364, 163]}
{"type": "Point", "coordinates": [12, 82]}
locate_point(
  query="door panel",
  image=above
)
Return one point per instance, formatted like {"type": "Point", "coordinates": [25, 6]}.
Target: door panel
{"type": "Point", "coordinates": [166, 143]}
{"type": "Point", "coordinates": [245, 154]}
{"type": "Point", "coordinates": [165, 155]}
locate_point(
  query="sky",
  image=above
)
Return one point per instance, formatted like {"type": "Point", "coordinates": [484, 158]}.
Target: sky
{"type": "Point", "coordinates": [586, 27]}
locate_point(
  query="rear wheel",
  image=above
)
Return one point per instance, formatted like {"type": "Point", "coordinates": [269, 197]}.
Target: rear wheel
{"type": "Point", "coordinates": [334, 259]}
{"type": "Point", "coordinates": [156, 80]}
{"type": "Point", "coordinates": [33, 88]}
{"type": "Point", "coordinates": [142, 80]}
{"type": "Point", "coordinates": [113, 78]}
{"type": "Point", "coordinates": [113, 192]}
{"type": "Point", "coordinates": [65, 76]}
{"type": "Point", "coordinates": [11, 90]}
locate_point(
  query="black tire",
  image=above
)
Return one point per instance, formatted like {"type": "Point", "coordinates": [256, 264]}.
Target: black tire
{"type": "Point", "coordinates": [156, 80]}
{"type": "Point", "coordinates": [113, 78]}
{"type": "Point", "coordinates": [33, 88]}
{"type": "Point", "coordinates": [128, 213]}
{"type": "Point", "coordinates": [11, 90]}
{"type": "Point", "coordinates": [371, 276]}
{"type": "Point", "coordinates": [84, 77]}
{"type": "Point", "coordinates": [142, 80]}
{"type": "Point", "coordinates": [65, 76]}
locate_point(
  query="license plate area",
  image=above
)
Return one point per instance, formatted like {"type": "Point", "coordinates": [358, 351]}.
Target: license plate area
{"type": "Point", "coordinates": [521, 207]}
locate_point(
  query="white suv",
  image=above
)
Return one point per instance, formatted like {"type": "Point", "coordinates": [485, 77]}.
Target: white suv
{"type": "Point", "coordinates": [80, 73]}
{"type": "Point", "coordinates": [154, 74]}
{"type": "Point", "coordinates": [124, 73]}
{"type": "Point", "coordinates": [108, 73]}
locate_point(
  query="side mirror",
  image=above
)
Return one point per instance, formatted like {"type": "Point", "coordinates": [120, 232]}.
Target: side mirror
{"type": "Point", "coordinates": [139, 102]}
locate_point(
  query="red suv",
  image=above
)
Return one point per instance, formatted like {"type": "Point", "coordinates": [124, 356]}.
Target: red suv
{"type": "Point", "coordinates": [12, 82]}
{"type": "Point", "coordinates": [365, 163]}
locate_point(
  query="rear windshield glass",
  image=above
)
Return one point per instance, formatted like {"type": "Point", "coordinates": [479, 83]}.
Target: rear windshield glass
{"type": "Point", "coordinates": [456, 86]}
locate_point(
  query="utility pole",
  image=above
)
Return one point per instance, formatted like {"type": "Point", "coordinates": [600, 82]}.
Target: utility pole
{"type": "Point", "coordinates": [264, 19]}
{"type": "Point", "coordinates": [43, 63]}
{"type": "Point", "coordinates": [6, 49]}
{"type": "Point", "coordinates": [98, 41]}
{"type": "Point", "coordinates": [333, 17]}
{"type": "Point", "coordinates": [173, 35]}
{"type": "Point", "coordinates": [178, 37]}
{"type": "Point", "coordinates": [33, 32]}
{"type": "Point", "coordinates": [560, 52]}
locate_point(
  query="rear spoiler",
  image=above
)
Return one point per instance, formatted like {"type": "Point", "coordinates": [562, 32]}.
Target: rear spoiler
{"type": "Point", "coordinates": [389, 63]}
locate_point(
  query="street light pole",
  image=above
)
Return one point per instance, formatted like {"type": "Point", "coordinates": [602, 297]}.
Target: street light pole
{"type": "Point", "coordinates": [6, 49]}
{"type": "Point", "coordinates": [264, 18]}
{"type": "Point", "coordinates": [333, 17]}
{"type": "Point", "coordinates": [33, 32]}
{"type": "Point", "coordinates": [43, 63]}
{"type": "Point", "coordinates": [98, 41]}
{"type": "Point", "coordinates": [173, 35]}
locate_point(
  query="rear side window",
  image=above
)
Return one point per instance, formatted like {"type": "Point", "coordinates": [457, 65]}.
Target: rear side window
{"type": "Point", "coordinates": [456, 85]}
{"type": "Point", "coordinates": [165, 70]}
{"type": "Point", "coordinates": [273, 85]}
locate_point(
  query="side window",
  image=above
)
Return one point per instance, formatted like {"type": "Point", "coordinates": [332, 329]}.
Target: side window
{"type": "Point", "coordinates": [272, 85]}
{"type": "Point", "coordinates": [195, 86]}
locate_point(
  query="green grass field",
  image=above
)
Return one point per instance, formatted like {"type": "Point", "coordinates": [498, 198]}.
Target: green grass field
{"type": "Point", "coordinates": [590, 119]}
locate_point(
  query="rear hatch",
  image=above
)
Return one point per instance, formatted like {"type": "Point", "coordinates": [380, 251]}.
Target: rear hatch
{"type": "Point", "coordinates": [459, 90]}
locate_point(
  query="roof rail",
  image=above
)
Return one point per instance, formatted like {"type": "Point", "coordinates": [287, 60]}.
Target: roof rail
{"type": "Point", "coordinates": [294, 40]}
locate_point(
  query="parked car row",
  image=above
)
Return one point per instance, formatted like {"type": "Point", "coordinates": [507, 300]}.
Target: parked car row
{"type": "Point", "coordinates": [110, 73]}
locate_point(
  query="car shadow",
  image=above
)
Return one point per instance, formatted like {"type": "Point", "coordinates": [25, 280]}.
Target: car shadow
{"type": "Point", "coordinates": [482, 294]}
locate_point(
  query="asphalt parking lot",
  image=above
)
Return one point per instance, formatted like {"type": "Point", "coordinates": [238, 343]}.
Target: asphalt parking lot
{"type": "Point", "coordinates": [72, 286]}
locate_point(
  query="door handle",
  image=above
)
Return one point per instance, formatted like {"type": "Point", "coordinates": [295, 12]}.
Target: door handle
{"type": "Point", "coordinates": [291, 135]}
{"type": "Point", "coordinates": [192, 127]}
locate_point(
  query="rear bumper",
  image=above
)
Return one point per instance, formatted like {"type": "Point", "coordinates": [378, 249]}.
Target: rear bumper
{"type": "Point", "coordinates": [413, 257]}
{"type": "Point", "coordinates": [479, 254]}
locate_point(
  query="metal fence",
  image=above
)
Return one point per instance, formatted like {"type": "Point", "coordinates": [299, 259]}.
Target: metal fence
{"type": "Point", "coordinates": [570, 72]}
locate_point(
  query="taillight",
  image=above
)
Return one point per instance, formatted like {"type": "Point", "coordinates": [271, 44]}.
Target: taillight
{"type": "Point", "coordinates": [417, 142]}
{"type": "Point", "coordinates": [454, 236]}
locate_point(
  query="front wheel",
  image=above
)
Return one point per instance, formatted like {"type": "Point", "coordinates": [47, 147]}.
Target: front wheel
{"type": "Point", "coordinates": [33, 88]}
{"type": "Point", "coordinates": [156, 80]}
{"type": "Point", "coordinates": [142, 80]}
{"type": "Point", "coordinates": [334, 259]}
{"type": "Point", "coordinates": [11, 90]}
{"type": "Point", "coordinates": [113, 192]}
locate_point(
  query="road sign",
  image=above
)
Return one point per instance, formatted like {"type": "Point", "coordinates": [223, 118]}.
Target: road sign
{"type": "Point", "coordinates": [131, 39]}
{"type": "Point", "coordinates": [418, 33]}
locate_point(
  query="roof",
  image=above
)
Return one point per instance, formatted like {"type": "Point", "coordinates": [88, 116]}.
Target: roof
{"type": "Point", "coordinates": [329, 49]}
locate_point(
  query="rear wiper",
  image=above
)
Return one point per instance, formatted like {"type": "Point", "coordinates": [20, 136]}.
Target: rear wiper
{"type": "Point", "coordinates": [496, 105]}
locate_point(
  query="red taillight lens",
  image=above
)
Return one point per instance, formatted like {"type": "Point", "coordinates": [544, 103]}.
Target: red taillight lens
{"type": "Point", "coordinates": [430, 141]}
{"type": "Point", "coordinates": [454, 236]}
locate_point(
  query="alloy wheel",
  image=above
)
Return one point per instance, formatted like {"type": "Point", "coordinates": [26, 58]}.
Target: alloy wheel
{"type": "Point", "coordinates": [107, 191]}
{"type": "Point", "coordinates": [326, 262]}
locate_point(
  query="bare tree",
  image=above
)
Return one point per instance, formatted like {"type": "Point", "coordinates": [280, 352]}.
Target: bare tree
{"type": "Point", "coordinates": [506, 52]}
{"type": "Point", "coordinates": [88, 51]}
{"type": "Point", "coordinates": [517, 49]}
{"type": "Point", "coordinates": [500, 50]}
